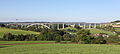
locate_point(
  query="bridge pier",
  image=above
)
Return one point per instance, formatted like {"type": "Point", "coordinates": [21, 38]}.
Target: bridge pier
{"type": "Point", "coordinates": [52, 26]}
{"type": "Point", "coordinates": [100, 25]}
{"type": "Point", "coordinates": [105, 24]}
{"type": "Point", "coordinates": [63, 26]}
{"type": "Point", "coordinates": [89, 26]}
{"type": "Point", "coordinates": [84, 26]}
{"type": "Point", "coordinates": [58, 26]}
{"type": "Point", "coordinates": [95, 25]}
{"type": "Point", "coordinates": [79, 25]}
{"type": "Point", "coordinates": [49, 25]}
{"type": "Point", "coordinates": [73, 25]}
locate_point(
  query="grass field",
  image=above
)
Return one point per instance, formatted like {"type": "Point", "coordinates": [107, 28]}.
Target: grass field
{"type": "Point", "coordinates": [117, 29]}
{"type": "Point", "coordinates": [60, 49]}
{"type": "Point", "coordinates": [55, 48]}
{"type": "Point", "coordinates": [14, 31]}
{"type": "Point", "coordinates": [70, 28]}
{"type": "Point", "coordinates": [94, 31]}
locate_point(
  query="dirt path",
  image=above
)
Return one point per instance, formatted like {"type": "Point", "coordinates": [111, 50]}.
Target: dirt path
{"type": "Point", "coordinates": [26, 43]}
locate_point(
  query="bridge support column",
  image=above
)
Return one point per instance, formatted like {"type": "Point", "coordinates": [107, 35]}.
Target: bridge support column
{"type": "Point", "coordinates": [79, 25]}
{"type": "Point", "coordinates": [52, 26]}
{"type": "Point", "coordinates": [58, 26]}
{"type": "Point", "coordinates": [105, 24]}
{"type": "Point", "coordinates": [95, 26]}
{"type": "Point", "coordinates": [21, 26]}
{"type": "Point", "coordinates": [49, 25]}
{"type": "Point", "coordinates": [63, 26]}
{"type": "Point", "coordinates": [100, 25]}
{"type": "Point", "coordinates": [84, 26]}
{"type": "Point", "coordinates": [89, 26]}
{"type": "Point", "coordinates": [73, 25]}
{"type": "Point", "coordinates": [111, 24]}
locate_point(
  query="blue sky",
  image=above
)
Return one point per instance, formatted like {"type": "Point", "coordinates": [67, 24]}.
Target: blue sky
{"type": "Point", "coordinates": [60, 10]}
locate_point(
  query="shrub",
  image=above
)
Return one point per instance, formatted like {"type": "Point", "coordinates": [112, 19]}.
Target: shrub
{"type": "Point", "coordinates": [8, 36]}
{"type": "Point", "coordinates": [66, 37]}
{"type": "Point", "coordinates": [58, 38]}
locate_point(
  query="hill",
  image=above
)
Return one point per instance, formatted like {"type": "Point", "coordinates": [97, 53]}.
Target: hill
{"type": "Point", "coordinates": [115, 21]}
{"type": "Point", "coordinates": [94, 31]}
{"type": "Point", "coordinates": [15, 31]}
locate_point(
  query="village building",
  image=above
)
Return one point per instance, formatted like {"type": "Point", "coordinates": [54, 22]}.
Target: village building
{"type": "Point", "coordinates": [117, 25]}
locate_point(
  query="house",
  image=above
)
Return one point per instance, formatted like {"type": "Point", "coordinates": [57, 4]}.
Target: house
{"type": "Point", "coordinates": [117, 25]}
{"type": "Point", "coordinates": [101, 34]}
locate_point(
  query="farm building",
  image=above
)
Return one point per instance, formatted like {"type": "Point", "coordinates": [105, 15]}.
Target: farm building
{"type": "Point", "coordinates": [117, 25]}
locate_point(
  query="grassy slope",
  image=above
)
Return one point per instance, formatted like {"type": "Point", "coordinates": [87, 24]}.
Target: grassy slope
{"type": "Point", "coordinates": [14, 31]}
{"type": "Point", "coordinates": [117, 29]}
{"type": "Point", "coordinates": [61, 49]}
{"type": "Point", "coordinates": [70, 28]}
{"type": "Point", "coordinates": [94, 31]}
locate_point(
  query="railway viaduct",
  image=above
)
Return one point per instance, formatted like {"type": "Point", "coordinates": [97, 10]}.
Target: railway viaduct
{"type": "Point", "coordinates": [51, 24]}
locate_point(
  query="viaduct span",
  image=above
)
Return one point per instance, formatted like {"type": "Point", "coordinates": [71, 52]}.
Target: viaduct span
{"type": "Point", "coordinates": [58, 24]}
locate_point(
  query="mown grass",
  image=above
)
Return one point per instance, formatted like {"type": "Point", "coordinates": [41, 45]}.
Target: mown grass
{"type": "Point", "coordinates": [15, 31]}
{"type": "Point", "coordinates": [61, 49]}
{"type": "Point", "coordinates": [95, 31]}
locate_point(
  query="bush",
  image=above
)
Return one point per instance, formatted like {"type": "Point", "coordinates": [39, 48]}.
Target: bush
{"type": "Point", "coordinates": [8, 36]}
{"type": "Point", "coordinates": [100, 40]}
{"type": "Point", "coordinates": [58, 38]}
{"type": "Point", "coordinates": [66, 37]}
{"type": "Point", "coordinates": [113, 39]}
{"type": "Point", "coordinates": [19, 37]}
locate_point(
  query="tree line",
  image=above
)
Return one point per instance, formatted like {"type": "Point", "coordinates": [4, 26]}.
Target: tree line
{"type": "Point", "coordinates": [83, 36]}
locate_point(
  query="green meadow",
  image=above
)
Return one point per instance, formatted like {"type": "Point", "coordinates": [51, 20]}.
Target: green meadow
{"type": "Point", "coordinates": [60, 49]}
{"type": "Point", "coordinates": [53, 47]}
{"type": "Point", "coordinates": [15, 31]}
{"type": "Point", "coordinates": [117, 29]}
{"type": "Point", "coordinates": [95, 31]}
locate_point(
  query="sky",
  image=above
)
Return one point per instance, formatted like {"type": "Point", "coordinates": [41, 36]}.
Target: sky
{"type": "Point", "coordinates": [59, 10]}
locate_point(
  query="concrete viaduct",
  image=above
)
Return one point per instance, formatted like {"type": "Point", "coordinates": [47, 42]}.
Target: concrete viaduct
{"type": "Point", "coordinates": [51, 24]}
